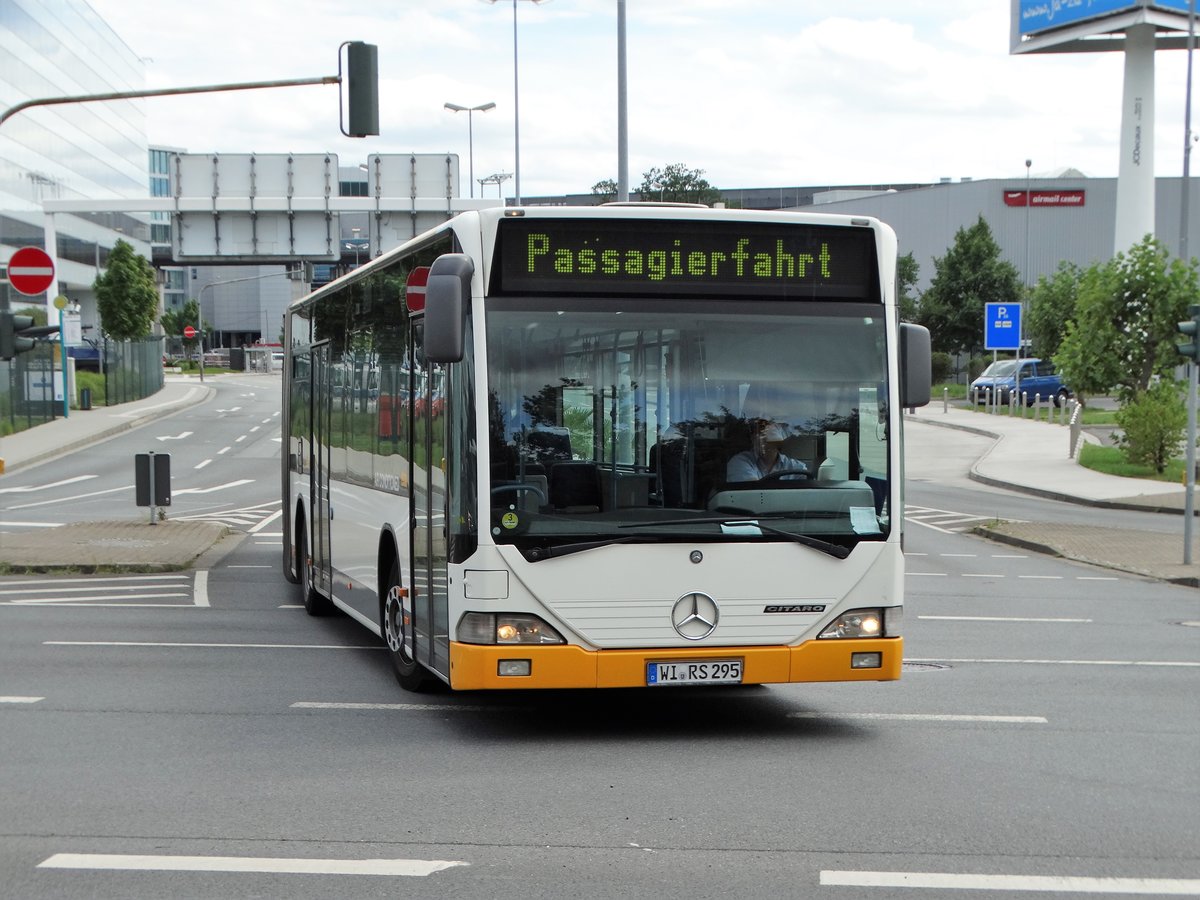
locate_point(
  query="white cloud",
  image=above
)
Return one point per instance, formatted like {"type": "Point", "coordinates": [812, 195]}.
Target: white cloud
{"type": "Point", "coordinates": [756, 93]}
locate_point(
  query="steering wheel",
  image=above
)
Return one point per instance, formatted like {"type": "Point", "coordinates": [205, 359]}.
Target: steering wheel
{"type": "Point", "coordinates": [787, 473]}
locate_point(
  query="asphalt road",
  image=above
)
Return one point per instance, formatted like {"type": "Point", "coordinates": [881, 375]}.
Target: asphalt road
{"type": "Point", "coordinates": [198, 735]}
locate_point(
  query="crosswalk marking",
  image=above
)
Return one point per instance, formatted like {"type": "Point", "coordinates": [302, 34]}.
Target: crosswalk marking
{"type": "Point", "coordinates": [164, 591]}
{"type": "Point", "coordinates": [945, 520]}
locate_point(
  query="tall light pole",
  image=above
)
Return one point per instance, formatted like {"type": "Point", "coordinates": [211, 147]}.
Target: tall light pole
{"type": "Point", "coordinates": [516, 106]}
{"type": "Point", "coordinates": [484, 107]}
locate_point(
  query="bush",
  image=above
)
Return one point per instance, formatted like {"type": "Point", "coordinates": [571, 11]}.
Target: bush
{"type": "Point", "coordinates": [94, 382]}
{"type": "Point", "coordinates": [976, 366]}
{"type": "Point", "coordinates": [1154, 424]}
{"type": "Point", "coordinates": [943, 367]}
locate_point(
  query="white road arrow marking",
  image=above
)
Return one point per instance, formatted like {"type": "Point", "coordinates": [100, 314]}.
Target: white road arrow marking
{"type": "Point", "coordinates": [217, 487]}
{"type": "Point", "coordinates": [175, 437]}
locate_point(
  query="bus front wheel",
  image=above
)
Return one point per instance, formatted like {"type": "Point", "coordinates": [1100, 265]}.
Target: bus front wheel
{"type": "Point", "coordinates": [398, 632]}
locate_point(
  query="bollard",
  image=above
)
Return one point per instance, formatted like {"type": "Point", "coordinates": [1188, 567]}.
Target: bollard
{"type": "Point", "coordinates": [1076, 433]}
{"type": "Point", "coordinates": [945, 400]}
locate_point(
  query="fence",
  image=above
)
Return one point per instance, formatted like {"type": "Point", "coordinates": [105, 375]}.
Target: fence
{"type": "Point", "coordinates": [132, 370]}
{"type": "Point", "coordinates": [27, 390]}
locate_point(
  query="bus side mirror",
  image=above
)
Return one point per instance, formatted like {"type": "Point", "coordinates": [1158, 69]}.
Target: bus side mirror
{"type": "Point", "coordinates": [916, 365]}
{"type": "Point", "coordinates": [447, 293]}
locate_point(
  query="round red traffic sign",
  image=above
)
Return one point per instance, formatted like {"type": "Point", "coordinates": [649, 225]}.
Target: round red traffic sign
{"type": "Point", "coordinates": [189, 332]}
{"type": "Point", "coordinates": [31, 271]}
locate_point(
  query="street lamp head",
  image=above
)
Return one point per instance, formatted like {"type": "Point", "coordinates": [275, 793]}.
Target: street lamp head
{"type": "Point", "coordinates": [484, 107]}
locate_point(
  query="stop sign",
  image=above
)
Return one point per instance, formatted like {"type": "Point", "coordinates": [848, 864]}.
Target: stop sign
{"type": "Point", "coordinates": [189, 332]}
{"type": "Point", "coordinates": [31, 271]}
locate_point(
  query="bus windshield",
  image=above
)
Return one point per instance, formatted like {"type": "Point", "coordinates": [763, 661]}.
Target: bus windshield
{"type": "Point", "coordinates": [638, 419]}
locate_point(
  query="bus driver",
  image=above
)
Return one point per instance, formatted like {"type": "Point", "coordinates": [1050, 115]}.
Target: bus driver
{"type": "Point", "coordinates": [764, 458]}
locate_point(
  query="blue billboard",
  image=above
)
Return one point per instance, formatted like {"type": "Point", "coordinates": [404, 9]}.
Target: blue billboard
{"type": "Point", "coordinates": [1044, 15]}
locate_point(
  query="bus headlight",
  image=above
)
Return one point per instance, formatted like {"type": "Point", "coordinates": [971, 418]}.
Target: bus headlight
{"type": "Point", "coordinates": [865, 623]}
{"type": "Point", "coordinates": [506, 628]}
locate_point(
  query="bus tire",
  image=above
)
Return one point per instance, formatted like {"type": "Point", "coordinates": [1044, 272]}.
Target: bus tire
{"type": "Point", "coordinates": [410, 673]}
{"type": "Point", "coordinates": [315, 603]}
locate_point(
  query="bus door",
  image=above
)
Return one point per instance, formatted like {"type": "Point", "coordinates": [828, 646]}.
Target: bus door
{"type": "Point", "coordinates": [429, 578]}
{"type": "Point", "coordinates": [322, 421]}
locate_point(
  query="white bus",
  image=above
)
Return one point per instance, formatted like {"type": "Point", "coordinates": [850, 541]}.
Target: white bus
{"type": "Point", "coordinates": [616, 446]}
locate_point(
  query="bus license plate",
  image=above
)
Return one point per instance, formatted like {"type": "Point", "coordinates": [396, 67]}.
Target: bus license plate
{"type": "Point", "coordinates": [700, 671]}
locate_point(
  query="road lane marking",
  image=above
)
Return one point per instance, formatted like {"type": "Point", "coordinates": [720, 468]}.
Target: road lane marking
{"type": "Point", "coordinates": [1042, 577]}
{"type": "Point", "coordinates": [923, 717]}
{"type": "Point", "coordinates": [998, 619]}
{"type": "Point", "coordinates": [1166, 664]}
{"type": "Point", "coordinates": [433, 707]}
{"type": "Point", "coordinates": [200, 588]}
{"type": "Point", "coordinates": [131, 580]}
{"type": "Point", "coordinates": [46, 487]}
{"type": "Point", "coordinates": [197, 644]}
{"type": "Point", "coordinates": [1076, 884]}
{"type": "Point", "coordinates": [21, 699]}
{"type": "Point", "coordinates": [202, 463]}
{"type": "Point", "coordinates": [267, 521]}
{"type": "Point", "coordinates": [73, 498]}
{"type": "Point", "coordinates": [928, 574]}
{"type": "Point", "coordinates": [418, 868]}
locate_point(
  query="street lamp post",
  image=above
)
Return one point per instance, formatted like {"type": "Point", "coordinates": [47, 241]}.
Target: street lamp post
{"type": "Point", "coordinates": [484, 107]}
{"type": "Point", "coordinates": [516, 107]}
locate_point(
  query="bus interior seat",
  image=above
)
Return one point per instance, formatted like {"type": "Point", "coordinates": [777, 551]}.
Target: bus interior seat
{"type": "Point", "coordinates": [575, 487]}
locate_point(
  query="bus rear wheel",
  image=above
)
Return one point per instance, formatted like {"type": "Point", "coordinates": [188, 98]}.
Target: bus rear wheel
{"type": "Point", "coordinates": [398, 632]}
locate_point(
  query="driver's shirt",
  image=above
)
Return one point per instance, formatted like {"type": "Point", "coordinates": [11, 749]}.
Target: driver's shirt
{"type": "Point", "coordinates": [746, 466]}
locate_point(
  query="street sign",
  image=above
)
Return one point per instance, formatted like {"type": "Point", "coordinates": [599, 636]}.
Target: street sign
{"type": "Point", "coordinates": [189, 332]}
{"type": "Point", "coordinates": [1002, 326]}
{"type": "Point", "coordinates": [31, 271]}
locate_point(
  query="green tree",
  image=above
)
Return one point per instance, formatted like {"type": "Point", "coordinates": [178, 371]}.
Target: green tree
{"type": "Point", "coordinates": [1124, 330]}
{"type": "Point", "coordinates": [1153, 425]}
{"type": "Point", "coordinates": [1051, 306]}
{"type": "Point", "coordinates": [174, 321]}
{"type": "Point", "coordinates": [605, 190]}
{"type": "Point", "coordinates": [677, 183]}
{"type": "Point", "coordinates": [127, 294]}
{"type": "Point", "coordinates": [968, 276]}
{"type": "Point", "coordinates": [908, 270]}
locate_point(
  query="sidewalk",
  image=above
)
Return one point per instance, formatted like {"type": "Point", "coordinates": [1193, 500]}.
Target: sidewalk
{"type": "Point", "coordinates": [1031, 457]}
{"type": "Point", "coordinates": [1026, 456]}
{"type": "Point", "coordinates": [133, 542]}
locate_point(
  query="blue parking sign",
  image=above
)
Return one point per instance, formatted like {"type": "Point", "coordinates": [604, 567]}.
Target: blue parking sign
{"type": "Point", "coordinates": [1002, 326]}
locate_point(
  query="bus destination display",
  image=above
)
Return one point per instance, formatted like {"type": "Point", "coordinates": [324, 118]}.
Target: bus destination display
{"type": "Point", "coordinates": [648, 256]}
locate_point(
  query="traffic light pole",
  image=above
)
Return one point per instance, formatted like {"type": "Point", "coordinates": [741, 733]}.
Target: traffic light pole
{"type": "Point", "coordinates": [1189, 501]}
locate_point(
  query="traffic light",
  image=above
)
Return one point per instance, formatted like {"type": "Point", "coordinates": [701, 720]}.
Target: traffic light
{"type": "Point", "coordinates": [17, 333]}
{"type": "Point", "coordinates": [362, 89]}
{"type": "Point", "coordinates": [1191, 329]}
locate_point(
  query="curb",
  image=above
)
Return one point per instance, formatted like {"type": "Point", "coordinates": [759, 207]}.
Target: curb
{"type": "Point", "coordinates": [1047, 550]}
{"type": "Point", "coordinates": [975, 475]}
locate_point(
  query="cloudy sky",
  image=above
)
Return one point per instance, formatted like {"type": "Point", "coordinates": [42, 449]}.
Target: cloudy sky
{"type": "Point", "coordinates": [757, 93]}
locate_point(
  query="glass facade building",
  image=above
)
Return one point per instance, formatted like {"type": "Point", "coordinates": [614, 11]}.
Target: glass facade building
{"type": "Point", "coordinates": [95, 150]}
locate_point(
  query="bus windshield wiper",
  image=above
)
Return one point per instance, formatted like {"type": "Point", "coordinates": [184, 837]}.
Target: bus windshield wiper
{"type": "Point", "coordinates": [835, 550]}
{"type": "Point", "coordinates": [537, 554]}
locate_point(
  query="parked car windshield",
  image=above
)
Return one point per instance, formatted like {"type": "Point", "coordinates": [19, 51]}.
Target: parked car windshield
{"type": "Point", "coordinates": [1001, 369]}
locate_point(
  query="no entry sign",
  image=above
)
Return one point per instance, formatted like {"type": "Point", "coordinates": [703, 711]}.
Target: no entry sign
{"type": "Point", "coordinates": [189, 332]}
{"type": "Point", "coordinates": [31, 271]}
